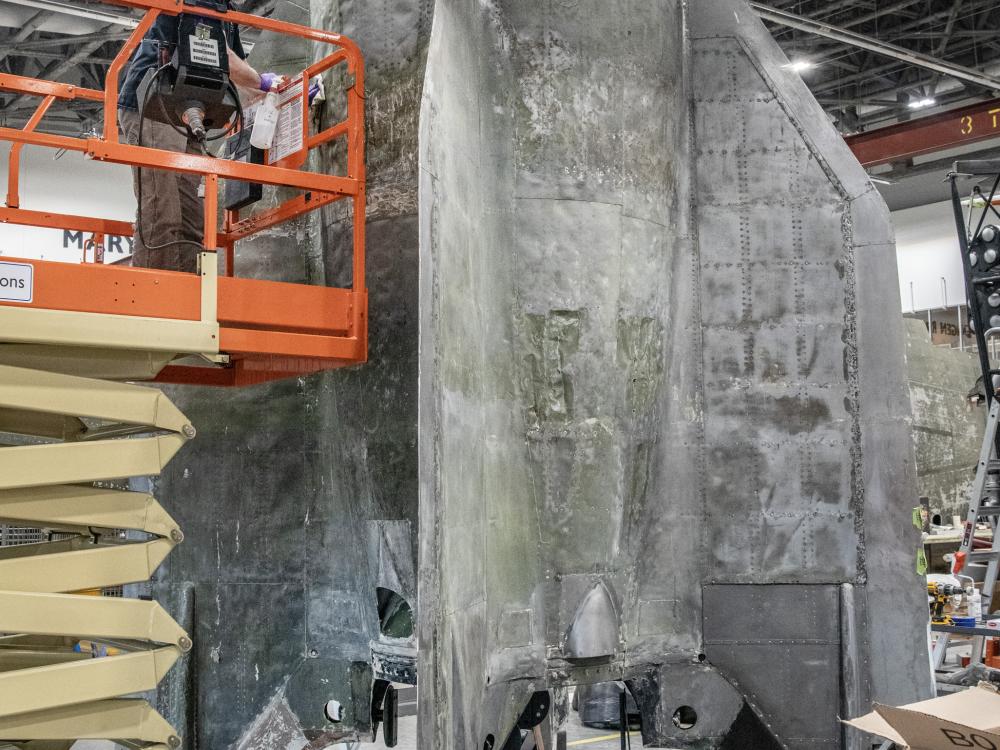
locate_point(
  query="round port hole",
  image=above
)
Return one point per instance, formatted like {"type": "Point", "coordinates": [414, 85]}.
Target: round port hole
{"type": "Point", "coordinates": [685, 717]}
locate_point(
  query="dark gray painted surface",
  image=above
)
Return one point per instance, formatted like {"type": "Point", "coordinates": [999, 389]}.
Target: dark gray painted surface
{"type": "Point", "coordinates": [783, 644]}
{"type": "Point", "coordinates": [660, 348]}
{"type": "Point", "coordinates": [299, 498]}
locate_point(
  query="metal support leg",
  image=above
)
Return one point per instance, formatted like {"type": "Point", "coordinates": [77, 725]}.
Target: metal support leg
{"type": "Point", "coordinates": [940, 651]}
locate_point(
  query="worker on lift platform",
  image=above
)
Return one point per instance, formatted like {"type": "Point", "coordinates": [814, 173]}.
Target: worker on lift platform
{"type": "Point", "coordinates": [170, 213]}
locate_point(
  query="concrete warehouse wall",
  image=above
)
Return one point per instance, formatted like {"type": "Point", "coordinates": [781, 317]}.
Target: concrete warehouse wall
{"type": "Point", "coordinates": [930, 265]}
{"type": "Point", "coordinates": [947, 431]}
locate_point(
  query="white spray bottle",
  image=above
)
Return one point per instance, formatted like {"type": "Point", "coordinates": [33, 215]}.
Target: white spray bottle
{"type": "Point", "coordinates": [266, 121]}
{"type": "Point", "coordinates": [975, 604]}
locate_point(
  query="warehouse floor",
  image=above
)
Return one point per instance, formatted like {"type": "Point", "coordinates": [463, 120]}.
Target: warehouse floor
{"type": "Point", "coordinates": [578, 736]}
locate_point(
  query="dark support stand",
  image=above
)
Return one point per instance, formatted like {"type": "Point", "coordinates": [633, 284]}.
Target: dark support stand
{"type": "Point", "coordinates": [981, 280]}
{"type": "Point", "coordinates": [975, 309]}
{"type": "Point", "coordinates": [626, 740]}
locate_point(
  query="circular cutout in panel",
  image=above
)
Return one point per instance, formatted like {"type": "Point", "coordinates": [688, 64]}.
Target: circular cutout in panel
{"type": "Point", "coordinates": [685, 717]}
{"type": "Point", "coordinates": [334, 711]}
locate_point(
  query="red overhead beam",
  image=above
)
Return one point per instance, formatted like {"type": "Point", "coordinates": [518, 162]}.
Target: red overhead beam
{"type": "Point", "coordinates": [928, 135]}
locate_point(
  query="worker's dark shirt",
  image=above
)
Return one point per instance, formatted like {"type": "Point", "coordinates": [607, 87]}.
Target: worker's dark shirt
{"type": "Point", "coordinates": [162, 34]}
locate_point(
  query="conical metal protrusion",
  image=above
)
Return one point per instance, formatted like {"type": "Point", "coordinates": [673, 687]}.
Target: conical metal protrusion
{"type": "Point", "coordinates": [594, 631]}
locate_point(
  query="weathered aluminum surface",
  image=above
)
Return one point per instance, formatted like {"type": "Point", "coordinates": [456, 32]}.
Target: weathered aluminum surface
{"type": "Point", "coordinates": [660, 350]}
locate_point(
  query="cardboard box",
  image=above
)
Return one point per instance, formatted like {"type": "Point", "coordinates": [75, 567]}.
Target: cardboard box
{"type": "Point", "coordinates": [967, 719]}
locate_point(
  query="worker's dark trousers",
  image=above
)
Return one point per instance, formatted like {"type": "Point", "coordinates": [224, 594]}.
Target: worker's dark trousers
{"type": "Point", "coordinates": [171, 209]}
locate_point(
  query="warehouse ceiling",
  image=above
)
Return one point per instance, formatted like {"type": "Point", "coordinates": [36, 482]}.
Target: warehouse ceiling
{"type": "Point", "coordinates": [861, 89]}
{"type": "Point", "coordinates": [73, 41]}
{"type": "Point", "coordinates": [957, 44]}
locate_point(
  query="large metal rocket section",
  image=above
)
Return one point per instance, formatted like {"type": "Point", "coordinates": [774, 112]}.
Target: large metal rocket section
{"type": "Point", "coordinates": [664, 430]}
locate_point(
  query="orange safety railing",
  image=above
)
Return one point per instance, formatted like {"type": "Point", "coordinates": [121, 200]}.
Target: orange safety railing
{"type": "Point", "coordinates": [269, 329]}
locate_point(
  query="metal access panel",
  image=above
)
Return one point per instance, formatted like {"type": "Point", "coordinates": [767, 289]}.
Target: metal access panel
{"type": "Point", "coordinates": [799, 692]}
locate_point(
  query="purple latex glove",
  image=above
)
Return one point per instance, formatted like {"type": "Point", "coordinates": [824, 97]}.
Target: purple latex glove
{"type": "Point", "coordinates": [269, 81]}
{"type": "Point", "coordinates": [314, 88]}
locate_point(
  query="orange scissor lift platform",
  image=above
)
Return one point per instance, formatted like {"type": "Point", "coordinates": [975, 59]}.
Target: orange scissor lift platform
{"type": "Point", "coordinates": [212, 328]}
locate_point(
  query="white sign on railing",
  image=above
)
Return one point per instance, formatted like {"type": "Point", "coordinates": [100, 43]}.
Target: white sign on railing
{"type": "Point", "coordinates": [17, 282]}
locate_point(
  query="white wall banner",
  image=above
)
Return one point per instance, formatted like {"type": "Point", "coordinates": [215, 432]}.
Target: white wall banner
{"type": "Point", "coordinates": [72, 185]}
{"type": "Point", "coordinates": [930, 264]}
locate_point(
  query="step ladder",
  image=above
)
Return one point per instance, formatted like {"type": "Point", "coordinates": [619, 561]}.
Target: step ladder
{"type": "Point", "coordinates": [979, 242]}
{"type": "Point", "coordinates": [984, 507]}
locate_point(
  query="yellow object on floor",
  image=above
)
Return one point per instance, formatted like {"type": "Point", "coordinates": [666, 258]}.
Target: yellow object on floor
{"type": "Point", "coordinates": [602, 738]}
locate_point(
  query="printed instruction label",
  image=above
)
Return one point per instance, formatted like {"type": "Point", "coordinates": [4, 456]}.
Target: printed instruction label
{"type": "Point", "coordinates": [205, 51]}
{"type": "Point", "coordinates": [288, 133]}
{"type": "Point", "coordinates": [17, 282]}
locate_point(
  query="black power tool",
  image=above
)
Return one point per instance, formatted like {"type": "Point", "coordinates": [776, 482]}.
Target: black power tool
{"type": "Point", "coordinates": [191, 89]}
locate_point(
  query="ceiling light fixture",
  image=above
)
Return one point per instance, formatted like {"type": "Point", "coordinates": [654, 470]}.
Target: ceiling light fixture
{"type": "Point", "coordinates": [922, 103]}
{"type": "Point", "coordinates": [800, 66]}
